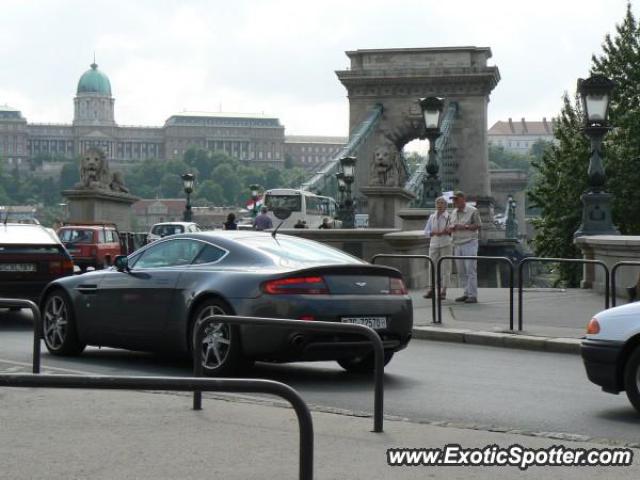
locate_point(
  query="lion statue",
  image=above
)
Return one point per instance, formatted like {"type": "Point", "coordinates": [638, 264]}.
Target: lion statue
{"type": "Point", "coordinates": [117, 183]}
{"type": "Point", "coordinates": [384, 171]}
{"type": "Point", "coordinates": [94, 170]}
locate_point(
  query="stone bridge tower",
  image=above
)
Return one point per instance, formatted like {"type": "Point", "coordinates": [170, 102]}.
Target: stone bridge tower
{"type": "Point", "coordinates": [397, 79]}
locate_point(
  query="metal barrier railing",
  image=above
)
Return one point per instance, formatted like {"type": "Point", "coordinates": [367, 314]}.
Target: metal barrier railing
{"type": "Point", "coordinates": [305, 422]}
{"type": "Point", "coordinates": [376, 342]}
{"type": "Point", "coordinates": [433, 274]}
{"type": "Point", "coordinates": [524, 261]}
{"type": "Point", "coordinates": [614, 270]}
{"type": "Point", "coordinates": [495, 259]}
{"type": "Point", "coordinates": [37, 325]}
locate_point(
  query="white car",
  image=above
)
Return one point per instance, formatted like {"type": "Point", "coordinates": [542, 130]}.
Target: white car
{"type": "Point", "coordinates": [160, 230]}
{"type": "Point", "coordinates": [611, 351]}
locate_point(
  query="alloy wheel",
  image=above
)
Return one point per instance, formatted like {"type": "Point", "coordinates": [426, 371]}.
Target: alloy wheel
{"type": "Point", "coordinates": [217, 338]}
{"type": "Point", "coordinates": [56, 319]}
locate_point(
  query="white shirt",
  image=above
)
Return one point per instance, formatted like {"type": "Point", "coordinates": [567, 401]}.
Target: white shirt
{"type": "Point", "coordinates": [438, 223]}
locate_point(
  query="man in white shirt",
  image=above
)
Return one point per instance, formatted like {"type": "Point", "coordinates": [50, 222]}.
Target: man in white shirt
{"type": "Point", "coordinates": [464, 225]}
{"type": "Point", "coordinates": [440, 244]}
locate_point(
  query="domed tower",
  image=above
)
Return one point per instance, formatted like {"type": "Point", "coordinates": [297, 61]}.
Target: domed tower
{"type": "Point", "coordinates": [93, 102]}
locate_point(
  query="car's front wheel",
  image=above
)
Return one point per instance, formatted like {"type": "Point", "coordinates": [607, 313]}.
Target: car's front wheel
{"type": "Point", "coordinates": [59, 325]}
{"type": "Point", "coordinates": [364, 363]}
{"type": "Point", "coordinates": [220, 347]}
{"type": "Point", "coordinates": [632, 378]}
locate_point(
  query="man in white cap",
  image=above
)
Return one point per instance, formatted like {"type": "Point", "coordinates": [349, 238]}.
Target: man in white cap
{"type": "Point", "coordinates": [464, 226]}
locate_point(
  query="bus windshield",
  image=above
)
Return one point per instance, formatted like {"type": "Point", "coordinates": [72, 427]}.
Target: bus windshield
{"type": "Point", "coordinates": [291, 202]}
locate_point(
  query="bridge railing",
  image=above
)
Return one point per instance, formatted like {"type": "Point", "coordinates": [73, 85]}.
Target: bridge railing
{"type": "Point", "coordinates": [37, 325]}
{"type": "Point", "coordinates": [527, 260]}
{"type": "Point", "coordinates": [432, 269]}
{"type": "Point", "coordinates": [504, 260]}
{"type": "Point", "coordinates": [305, 423]}
{"type": "Point", "coordinates": [314, 326]}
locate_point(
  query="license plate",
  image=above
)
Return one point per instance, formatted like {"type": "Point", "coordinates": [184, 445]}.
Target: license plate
{"type": "Point", "coordinates": [373, 322]}
{"type": "Point", "coordinates": [17, 267]}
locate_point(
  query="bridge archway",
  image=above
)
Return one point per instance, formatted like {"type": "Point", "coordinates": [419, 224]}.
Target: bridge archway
{"type": "Point", "coordinates": [395, 80]}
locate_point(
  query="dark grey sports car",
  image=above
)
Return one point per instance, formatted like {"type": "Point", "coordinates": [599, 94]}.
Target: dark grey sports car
{"type": "Point", "coordinates": [152, 300]}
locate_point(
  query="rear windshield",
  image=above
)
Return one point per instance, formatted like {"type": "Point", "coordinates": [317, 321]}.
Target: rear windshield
{"type": "Point", "coordinates": [298, 251]}
{"type": "Point", "coordinates": [76, 235]}
{"type": "Point", "coordinates": [28, 249]}
{"type": "Point", "coordinates": [164, 230]}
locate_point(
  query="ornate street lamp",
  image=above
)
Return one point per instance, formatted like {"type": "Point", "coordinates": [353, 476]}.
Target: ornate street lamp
{"type": "Point", "coordinates": [431, 184]}
{"type": "Point", "coordinates": [595, 95]}
{"type": "Point", "coordinates": [511, 224]}
{"type": "Point", "coordinates": [187, 180]}
{"type": "Point", "coordinates": [345, 177]}
{"type": "Point", "coordinates": [255, 194]}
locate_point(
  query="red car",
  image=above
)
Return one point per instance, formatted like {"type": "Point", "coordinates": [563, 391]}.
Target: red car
{"type": "Point", "coordinates": [91, 245]}
{"type": "Point", "coordinates": [31, 256]}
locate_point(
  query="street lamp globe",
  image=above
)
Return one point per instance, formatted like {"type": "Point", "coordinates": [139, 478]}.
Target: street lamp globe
{"type": "Point", "coordinates": [187, 180]}
{"type": "Point", "coordinates": [255, 190]}
{"type": "Point", "coordinates": [595, 95]}
{"type": "Point", "coordinates": [342, 185]}
{"type": "Point", "coordinates": [431, 111]}
{"type": "Point", "coordinates": [348, 165]}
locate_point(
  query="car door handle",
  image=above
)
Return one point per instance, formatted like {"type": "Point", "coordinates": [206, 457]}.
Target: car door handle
{"type": "Point", "coordinates": [87, 289]}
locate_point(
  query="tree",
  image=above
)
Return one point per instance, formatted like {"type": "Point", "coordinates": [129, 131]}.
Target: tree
{"type": "Point", "coordinates": [563, 169]}
{"type": "Point", "coordinates": [562, 180]}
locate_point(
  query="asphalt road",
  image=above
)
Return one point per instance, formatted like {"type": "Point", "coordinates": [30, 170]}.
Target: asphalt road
{"type": "Point", "coordinates": [461, 384]}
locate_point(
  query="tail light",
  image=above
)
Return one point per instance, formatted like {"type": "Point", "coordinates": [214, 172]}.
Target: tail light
{"type": "Point", "coordinates": [61, 267]}
{"type": "Point", "coordinates": [296, 286]}
{"type": "Point", "coordinates": [593, 327]}
{"type": "Point", "coordinates": [396, 286]}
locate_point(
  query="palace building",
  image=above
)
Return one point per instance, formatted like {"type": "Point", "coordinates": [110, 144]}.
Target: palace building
{"type": "Point", "coordinates": [255, 139]}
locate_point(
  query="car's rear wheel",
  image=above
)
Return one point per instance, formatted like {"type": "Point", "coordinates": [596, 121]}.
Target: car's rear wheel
{"type": "Point", "coordinates": [59, 325]}
{"type": "Point", "coordinates": [364, 363]}
{"type": "Point", "coordinates": [220, 348]}
{"type": "Point", "coordinates": [632, 378]}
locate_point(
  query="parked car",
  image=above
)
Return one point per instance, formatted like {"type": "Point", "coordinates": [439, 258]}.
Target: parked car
{"type": "Point", "coordinates": [91, 245]}
{"type": "Point", "coordinates": [611, 351]}
{"type": "Point", "coordinates": [31, 256]}
{"type": "Point", "coordinates": [153, 299]}
{"type": "Point", "coordinates": [161, 230]}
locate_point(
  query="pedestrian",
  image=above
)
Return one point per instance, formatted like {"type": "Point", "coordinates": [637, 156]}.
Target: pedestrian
{"type": "Point", "coordinates": [325, 223]}
{"type": "Point", "coordinates": [464, 225]}
{"type": "Point", "coordinates": [299, 224]}
{"type": "Point", "coordinates": [230, 224]}
{"type": "Point", "coordinates": [440, 244]}
{"type": "Point", "coordinates": [262, 221]}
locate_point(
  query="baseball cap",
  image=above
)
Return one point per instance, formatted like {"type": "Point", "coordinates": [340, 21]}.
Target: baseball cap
{"type": "Point", "coordinates": [458, 194]}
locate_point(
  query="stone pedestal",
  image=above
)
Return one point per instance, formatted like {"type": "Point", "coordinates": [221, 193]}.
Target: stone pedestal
{"type": "Point", "coordinates": [596, 215]}
{"type": "Point", "coordinates": [488, 231]}
{"type": "Point", "coordinates": [414, 218]}
{"type": "Point", "coordinates": [97, 205]}
{"type": "Point", "coordinates": [384, 205]}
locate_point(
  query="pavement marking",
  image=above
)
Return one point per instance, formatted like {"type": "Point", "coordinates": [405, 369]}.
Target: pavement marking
{"type": "Point", "coordinates": [20, 365]}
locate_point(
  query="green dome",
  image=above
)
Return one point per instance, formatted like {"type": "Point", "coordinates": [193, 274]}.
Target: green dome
{"type": "Point", "coordinates": [94, 81]}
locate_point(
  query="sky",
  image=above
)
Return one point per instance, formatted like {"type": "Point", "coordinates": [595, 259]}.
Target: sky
{"type": "Point", "coordinates": [279, 57]}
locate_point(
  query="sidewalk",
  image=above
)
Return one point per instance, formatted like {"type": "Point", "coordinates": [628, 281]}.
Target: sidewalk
{"type": "Point", "coordinates": [63, 434]}
{"type": "Point", "coordinates": [553, 319]}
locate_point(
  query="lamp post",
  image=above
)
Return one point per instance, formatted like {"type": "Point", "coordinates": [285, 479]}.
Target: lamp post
{"type": "Point", "coordinates": [346, 177]}
{"type": "Point", "coordinates": [255, 194]}
{"type": "Point", "coordinates": [595, 95]}
{"type": "Point", "coordinates": [511, 224]}
{"type": "Point", "coordinates": [431, 184]}
{"type": "Point", "coordinates": [187, 180]}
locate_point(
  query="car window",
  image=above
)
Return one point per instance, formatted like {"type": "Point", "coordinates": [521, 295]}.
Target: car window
{"type": "Point", "coordinates": [114, 237]}
{"type": "Point", "coordinates": [165, 230]}
{"type": "Point", "coordinates": [171, 253]}
{"type": "Point", "coordinates": [209, 254]}
{"type": "Point", "coordinates": [299, 251]}
{"type": "Point", "coordinates": [76, 235]}
{"type": "Point", "coordinates": [102, 237]}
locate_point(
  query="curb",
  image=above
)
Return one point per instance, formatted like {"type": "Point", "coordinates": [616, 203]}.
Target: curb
{"type": "Point", "coordinates": [496, 339]}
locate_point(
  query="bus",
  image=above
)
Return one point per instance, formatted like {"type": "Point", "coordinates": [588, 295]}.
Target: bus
{"type": "Point", "coordinates": [304, 206]}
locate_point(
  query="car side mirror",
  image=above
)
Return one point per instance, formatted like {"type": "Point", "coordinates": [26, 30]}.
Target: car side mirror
{"type": "Point", "coordinates": [121, 263]}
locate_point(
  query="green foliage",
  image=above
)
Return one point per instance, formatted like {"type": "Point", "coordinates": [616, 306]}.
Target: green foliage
{"type": "Point", "coordinates": [562, 180]}
{"type": "Point", "coordinates": [501, 158]}
{"type": "Point", "coordinates": [562, 171]}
